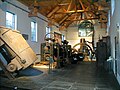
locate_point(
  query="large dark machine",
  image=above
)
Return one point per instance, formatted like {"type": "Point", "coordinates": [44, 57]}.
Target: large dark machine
{"type": "Point", "coordinates": [57, 52]}
{"type": "Point", "coordinates": [103, 51]}
{"type": "Point", "coordinates": [84, 53]}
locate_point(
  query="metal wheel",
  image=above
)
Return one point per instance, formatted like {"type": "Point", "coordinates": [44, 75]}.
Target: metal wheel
{"type": "Point", "coordinates": [11, 67]}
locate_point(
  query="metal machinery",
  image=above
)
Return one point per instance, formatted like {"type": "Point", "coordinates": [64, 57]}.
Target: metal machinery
{"type": "Point", "coordinates": [55, 52]}
{"type": "Point", "coordinates": [83, 52]}
{"type": "Point", "coordinates": [47, 50]}
{"type": "Point", "coordinates": [103, 51]}
{"type": "Point", "coordinates": [15, 50]}
{"type": "Point", "coordinates": [64, 53]}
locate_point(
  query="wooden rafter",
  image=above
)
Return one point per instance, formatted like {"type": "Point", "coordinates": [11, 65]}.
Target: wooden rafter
{"type": "Point", "coordinates": [83, 8]}
{"type": "Point", "coordinates": [53, 11]}
{"type": "Point", "coordinates": [72, 11]}
{"type": "Point", "coordinates": [69, 24]}
{"type": "Point", "coordinates": [68, 9]}
{"type": "Point", "coordinates": [66, 12]}
{"type": "Point", "coordinates": [66, 17]}
{"type": "Point", "coordinates": [81, 19]}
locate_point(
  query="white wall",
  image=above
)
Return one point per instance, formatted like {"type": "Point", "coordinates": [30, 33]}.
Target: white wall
{"type": "Point", "coordinates": [55, 29]}
{"type": "Point", "coordinates": [115, 31]}
{"type": "Point", "coordinates": [99, 32]}
{"type": "Point", "coordinates": [72, 34]}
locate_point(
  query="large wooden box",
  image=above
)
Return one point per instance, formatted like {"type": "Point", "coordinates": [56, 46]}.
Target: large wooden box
{"type": "Point", "coordinates": [23, 55]}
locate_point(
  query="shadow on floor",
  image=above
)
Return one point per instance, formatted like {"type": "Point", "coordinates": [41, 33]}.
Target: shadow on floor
{"type": "Point", "coordinates": [30, 71]}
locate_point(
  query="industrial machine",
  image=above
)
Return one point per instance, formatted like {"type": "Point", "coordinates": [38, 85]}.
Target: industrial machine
{"type": "Point", "coordinates": [84, 52]}
{"type": "Point", "coordinates": [14, 50]}
{"type": "Point", "coordinates": [65, 52]}
{"type": "Point", "coordinates": [56, 51]}
{"type": "Point", "coordinates": [47, 48]}
{"type": "Point", "coordinates": [103, 51]}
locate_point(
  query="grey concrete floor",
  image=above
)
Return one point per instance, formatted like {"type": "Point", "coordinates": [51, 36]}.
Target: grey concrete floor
{"type": "Point", "coordinates": [82, 76]}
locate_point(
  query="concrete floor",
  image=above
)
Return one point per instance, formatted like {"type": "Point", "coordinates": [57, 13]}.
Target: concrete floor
{"type": "Point", "coordinates": [82, 76]}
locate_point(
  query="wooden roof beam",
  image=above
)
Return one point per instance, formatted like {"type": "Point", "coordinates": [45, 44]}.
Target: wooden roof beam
{"type": "Point", "coordinates": [78, 11]}
{"type": "Point", "coordinates": [69, 6]}
{"type": "Point", "coordinates": [69, 24]}
{"type": "Point", "coordinates": [66, 17]}
{"type": "Point", "coordinates": [53, 11]}
{"type": "Point", "coordinates": [72, 11]}
{"type": "Point", "coordinates": [81, 19]}
{"type": "Point", "coordinates": [83, 8]}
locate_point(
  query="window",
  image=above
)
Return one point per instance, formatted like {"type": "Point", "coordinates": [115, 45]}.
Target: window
{"type": "Point", "coordinates": [108, 23]}
{"type": "Point", "coordinates": [63, 37]}
{"type": "Point", "coordinates": [112, 6]}
{"type": "Point", "coordinates": [11, 20]}
{"type": "Point", "coordinates": [85, 29]}
{"type": "Point", "coordinates": [33, 31]}
{"type": "Point", "coordinates": [48, 30]}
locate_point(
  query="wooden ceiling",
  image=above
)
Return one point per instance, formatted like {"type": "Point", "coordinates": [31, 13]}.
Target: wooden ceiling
{"type": "Point", "coordinates": [69, 12]}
